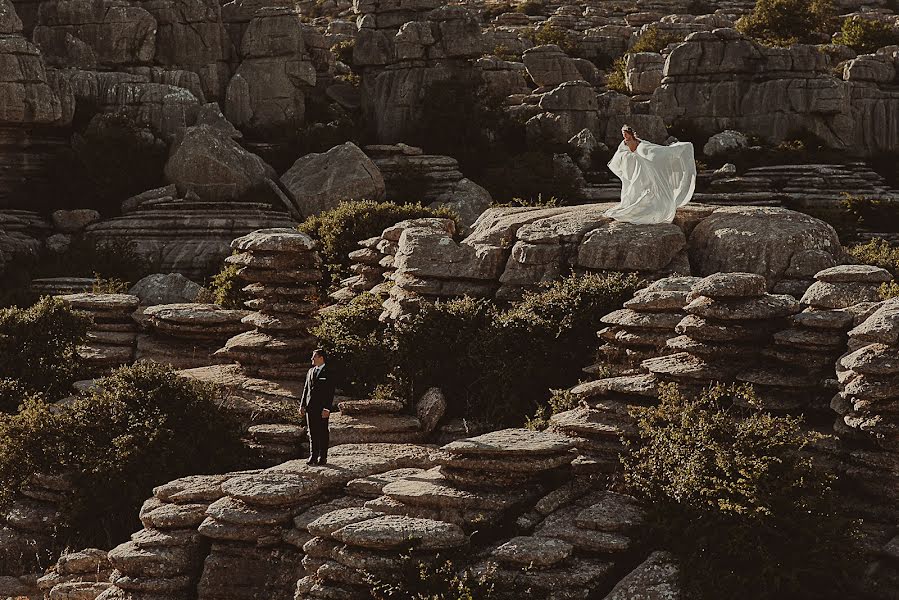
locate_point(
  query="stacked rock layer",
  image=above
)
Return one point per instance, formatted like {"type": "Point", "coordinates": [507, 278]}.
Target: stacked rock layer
{"type": "Point", "coordinates": [643, 327]}
{"type": "Point", "coordinates": [83, 574]}
{"type": "Point", "coordinates": [187, 335]}
{"type": "Point", "coordinates": [111, 338]}
{"type": "Point", "coordinates": [799, 364]}
{"type": "Point", "coordinates": [730, 317]}
{"type": "Point", "coordinates": [283, 269]}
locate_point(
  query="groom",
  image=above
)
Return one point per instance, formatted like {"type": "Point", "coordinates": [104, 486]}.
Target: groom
{"type": "Point", "coordinates": [316, 404]}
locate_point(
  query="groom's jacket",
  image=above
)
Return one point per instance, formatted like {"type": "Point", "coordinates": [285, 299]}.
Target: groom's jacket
{"type": "Point", "coordinates": [318, 393]}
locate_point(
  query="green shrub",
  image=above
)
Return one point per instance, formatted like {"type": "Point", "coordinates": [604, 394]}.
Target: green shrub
{"type": "Point", "coordinates": [550, 34]}
{"type": "Point", "coordinates": [491, 11]}
{"type": "Point", "coordinates": [340, 229]}
{"type": "Point", "coordinates": [103, 259]}
{"type": "Point", "coordinates": [225, 289]}
{"type": "Point", "coordinates": [109, 286]}
{"type": "Point", "coordinates": [652, 40]}
{"type": "Point", "coordinates": [560, 401]}
{"type": "Point", "coordinates": [877, 252]}
{"type": "Point", "coordinates": [532, 8]}
{"type": "Point", "coordinates": [356, 343]}
{"type": "Point", "coordinates": [437, 580]}
{"type": "Point", "coordinates": [880, 215]}
{"type": "Point", "coordinates": [787, 22]}
{"type": "Point", "coordinates": [38, 346]}
{"type": "Point", "coordinates": [140, 427]}
{"type": "Point", "coordinates": [865, 36]}
{"type": "Point", "coordinates": [343, 50]}
{"type": "Point", "coordinates": [616, 78]}
{"type": "Point", "coordinates": [888, 290]}
{"type": "Point", "coordinates": [736, 498]}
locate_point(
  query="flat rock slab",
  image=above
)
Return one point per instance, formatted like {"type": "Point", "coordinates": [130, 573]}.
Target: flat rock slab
{"type": "Point", "coordinates": [614, 512]}
{"type": "Point", "coordinates": [643, 320]}
{"type": "Point", "coordinates": [271, 489]}
{"type": "Point", "coordinates": [193, 488]}
{"type": "Point", "coordinates": [656, 578]}
{"type": "Point", "coordinates": [277, 433]}
{"type": "Point", "coordinates": [372, 486]}
{"type": "Point", "coordinates": [686, 366]}
{"type": "Point", "coordinates": [768, 306]}
{"type": "Point", "coordinates": [171, 516]}
{"type": "Point", "coordinates": [854, 274]}
{"type": "Point", "coordinates": [377, 406]}
{"type": "Point", "coordinates": [527, 551]}
{"type": "Point", "coordinates": [874, 359]}
{"type": "Point", "coordinates": [163, 538]}
{"type": "Point", "coordinates": [510, 442]}
{"type": "Point", "coordinates": [195, 314]}
{"type": "Point", "coordinates": [392, 531]}
{"type": "Point", "coordinates": [431, 489]}
{"type": "Point", "coordinates": [731, 285]}
{"type": "Point", "coordinates": [561, 525]}
{"type": "Point", "coordinates": [302, 520]}
{"type": "Point", "coordinates": [160, 562]}
{"type": "Point", "coordinates": [590, 423]}
{"type": "Point", "coordinates": [822, 294]}
{"type": "Point", "coordinates": [232, 510]}
{"type": "Point", "coordinates": [657, 301]}
{"type": "Point", "coordinates": [629, 385]}
{"type": "Point", "coordinates": [709, 330]}
{"type": "Point", "coordinates": [118, 303]}
{"type": "Point", "coordinates": [232, 532]}
{"type": "Point", "coordinates": [275, 240]}
{"type": "Point", "coordinates": [881, 327]}
{"type": "Point", "coordinates": [577, 579]}
{"type": "Point", "coordinates": [837, 319]}
{"type": "Point", "coordinates": [505, 465]}
{"type": "Point", "coordinates": [328, 523]}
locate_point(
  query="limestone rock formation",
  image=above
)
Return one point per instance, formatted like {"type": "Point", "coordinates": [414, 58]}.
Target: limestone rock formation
{"type": "Point", "coordinates": [111, 337]}
{"type": "Point", "coordinates": [161, 288]}
{"type": "Point", "coordinates": [319, 182]}
{"type": "Point", "coordinates": [282, 268]}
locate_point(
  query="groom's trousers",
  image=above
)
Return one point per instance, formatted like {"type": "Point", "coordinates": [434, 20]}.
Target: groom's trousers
{"type": "Point", "coordinates": [317, 428]}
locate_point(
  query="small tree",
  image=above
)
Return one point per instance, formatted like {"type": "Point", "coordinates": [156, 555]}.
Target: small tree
{"type": "Point", "coordinates": [787, 22]}
{"type": "Point", "coordinates": [865, 36]}
{"type": "Point", "coordinates": [738, 499]}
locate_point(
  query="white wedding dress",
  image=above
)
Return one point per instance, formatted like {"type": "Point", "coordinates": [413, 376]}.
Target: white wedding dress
{"type": "Point", "coordinates": [655, 180]}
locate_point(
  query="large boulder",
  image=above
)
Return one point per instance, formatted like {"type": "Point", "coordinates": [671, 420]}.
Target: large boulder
{"type": "Point", "coordinates": [209, 163]}
{"type": "Point", "coordinates": [165, 288]}
{"type": "Point", "coordinates": [762, 240]}
{"type": "Point", "coordinates": [725, 142]}
{"type": "Point", "coordinates": [319, 182]}
{"type": "Point", "coordinates": [548, 66]}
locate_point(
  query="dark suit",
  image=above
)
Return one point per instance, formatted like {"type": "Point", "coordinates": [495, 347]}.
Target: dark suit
{"type": "Point", "coordinates": [318, 395]}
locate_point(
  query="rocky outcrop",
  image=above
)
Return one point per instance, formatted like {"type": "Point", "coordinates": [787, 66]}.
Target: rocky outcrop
{"type": "Point", "coordinates": [282, 270]}
{"type": "Point", "coordinates": [186, 335]}
{"type": "Point", "coordinates": [162, 288]}
{"type": "Point", "coordinates": [268, 90]}
{"type": "Point", "coordinates": [432, 179]}
{"type": "Point", "coordinates": [112, 335]}
{"type": "Point", "coordinates": [319, 182]}
{"type": "Point", "coordinates": [773, 92]}
{"type": "Point", "coordinates": [183, 234]}
{"type": "Point", "coordinates": [513, 249]}
{"type": "Point", "coordinates": [82, 574]}
{"type": "Point", "coordinates": [642, 328]}
{"type": "Point", "coordinates": [730, 317]}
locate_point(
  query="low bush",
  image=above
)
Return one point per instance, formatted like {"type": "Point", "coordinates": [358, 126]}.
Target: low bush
{"type": "Point", "coordinates": [560, 401]}
{"type": "Point", "coordinates": [787, 22]}
{"type": "Point", "coordinates": [139, 427]}
{"type": "Point", "coordinates": [343, 50]}
{"type": "Point", "coordinates": [225, 288]}
{"type": "Point", "coordinates": [532, 8]}
{"type": "Point", "coordinates": [874, 213]}
{"type": "Point", "coordinates": [865, 36]}
{"type": "Point", "coordinates": [652, 40]}
{"type": "Point", "coordinates": [877, 252]}
{"type": "Point", "coordinates": [888, 290]}
{"type": "Point", "coordinates": [355, 341]}
{"type": "Point", "coordinates": [494, 364]}
{"type": "Point", "coordinates": [736, 498]}
{"type": "Point", "coordinates": [340, 229]}
{"type": "Point", "coordinates": [38, 347]}
{"type": "Point", "coordinates": [550, 34]}
{"type": "Point", "coordinates": [442, 579]}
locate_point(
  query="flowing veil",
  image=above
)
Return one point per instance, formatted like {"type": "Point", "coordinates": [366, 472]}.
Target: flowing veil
{"type": "Point", "coordinates": [655, 181]}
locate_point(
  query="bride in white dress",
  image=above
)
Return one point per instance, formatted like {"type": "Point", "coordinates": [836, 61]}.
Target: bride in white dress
{"type": "Point", "coordinates": [655, 179]}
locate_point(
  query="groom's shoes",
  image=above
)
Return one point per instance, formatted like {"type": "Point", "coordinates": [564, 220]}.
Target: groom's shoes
{"type": "Point", "coordinates": [311, 461]}
{"type": "Point", "coordinates": [322, 461]}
